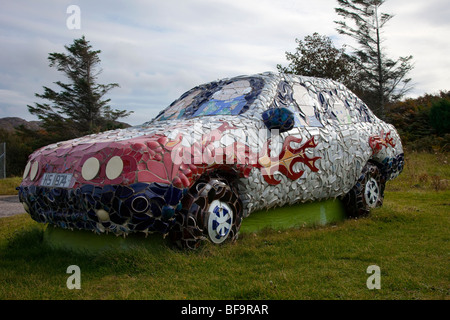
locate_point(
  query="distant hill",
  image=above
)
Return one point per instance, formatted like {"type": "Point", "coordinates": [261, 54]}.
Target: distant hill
{"type": "Point", "coordinates": [11, 123]}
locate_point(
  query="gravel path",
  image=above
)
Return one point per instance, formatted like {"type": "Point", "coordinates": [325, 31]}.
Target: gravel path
{"type": "Point", "coordinates": [10, 205]}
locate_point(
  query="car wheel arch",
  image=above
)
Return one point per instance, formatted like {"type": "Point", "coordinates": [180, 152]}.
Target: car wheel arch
{"type": "Point", "coordinates": [358, 200]}
{"type": "Point", "coordinates": [194, 221]}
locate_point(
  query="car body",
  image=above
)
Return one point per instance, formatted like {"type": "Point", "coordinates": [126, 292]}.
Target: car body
{"type": "Point", "coordinates": [218, 153]}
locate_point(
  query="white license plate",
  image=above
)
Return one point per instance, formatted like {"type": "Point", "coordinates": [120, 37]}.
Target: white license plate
{"type": "Point", "coordinates": [60, 180]}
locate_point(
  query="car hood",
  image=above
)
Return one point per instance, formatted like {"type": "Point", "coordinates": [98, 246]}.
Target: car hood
{"type": "Point", "coordinates": [147, 152]}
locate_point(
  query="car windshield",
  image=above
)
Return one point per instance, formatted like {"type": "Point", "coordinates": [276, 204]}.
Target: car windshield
{"type": "Point", "coordinates": [225, 97]}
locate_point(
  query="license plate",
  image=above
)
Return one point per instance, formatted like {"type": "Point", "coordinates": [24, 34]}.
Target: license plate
{"type": "Point", "coordinates": [60, 180]}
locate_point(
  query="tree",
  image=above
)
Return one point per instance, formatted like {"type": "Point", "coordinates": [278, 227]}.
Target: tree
{"type": "Point", "coordinates": [316, 56]}
{"type": "Point", "coordinates": [79, 108]}
{"type": "Point", "coordinates": [381, 79]}
{"type": "Point", "coordinates": [17, 151]}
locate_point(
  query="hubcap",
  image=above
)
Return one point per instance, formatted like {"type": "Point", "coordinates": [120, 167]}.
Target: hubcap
{"type": "Point", "coordinates": [372, 193]}
{"type": "Point", "coordinates": [220, 221]}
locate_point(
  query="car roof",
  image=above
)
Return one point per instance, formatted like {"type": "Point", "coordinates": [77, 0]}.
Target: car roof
{"type": "Point", "coordinates": [249, 95]}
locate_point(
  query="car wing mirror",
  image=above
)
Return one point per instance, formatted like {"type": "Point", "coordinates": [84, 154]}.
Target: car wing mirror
{"type": "Point", "coordinates": [278, 118]}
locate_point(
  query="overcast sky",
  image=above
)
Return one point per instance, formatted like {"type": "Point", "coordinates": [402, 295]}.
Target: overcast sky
{"type": "Point", "coordinates": [156, 50]}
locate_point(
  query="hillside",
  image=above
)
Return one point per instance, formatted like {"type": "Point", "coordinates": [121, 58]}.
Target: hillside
{"type": "Point", "coordinates": [11, 123]}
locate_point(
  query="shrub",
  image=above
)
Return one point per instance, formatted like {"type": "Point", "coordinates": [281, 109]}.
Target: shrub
{"type": "Point", "coordinates": [440, 116]}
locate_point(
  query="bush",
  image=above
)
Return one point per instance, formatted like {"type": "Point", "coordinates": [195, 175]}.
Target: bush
{"type": "Point", "coordinates": [423, 123]}
{"type": "Point", "coordinates": [440, 116]}
{"type": "Point", "coordinates": [429, 143]}
{"type": "Point", "coordinates": [17, 151]}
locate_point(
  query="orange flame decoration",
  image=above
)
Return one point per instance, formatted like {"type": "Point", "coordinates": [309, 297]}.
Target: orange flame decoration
{"type": "Point", "coordinates": [284, 163]}
{"type": "Point", "coordinates": [205, 157]}
{"type": "Point", "coordinates": [377, 142]}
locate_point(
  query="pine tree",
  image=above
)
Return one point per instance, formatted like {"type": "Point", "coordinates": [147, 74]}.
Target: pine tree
{"type": "Point", "coordinates": [382, 80]}
{"type": "Point", "coordinates": [79, 108]}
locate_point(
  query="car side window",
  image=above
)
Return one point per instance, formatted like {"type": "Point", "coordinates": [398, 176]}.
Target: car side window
{"type": "Point", "coordinates": [343, 107]}
{"type": "Point", "coordinates": [284, 98]}
{"type": "Point", "coordinates": [362, 111]}
{"type": "Point", "coordinates": [335, 108]}
{"type": "Point", "coordinates": [307, 109]}
{"type": "Point", "coordinates": [296, 99]}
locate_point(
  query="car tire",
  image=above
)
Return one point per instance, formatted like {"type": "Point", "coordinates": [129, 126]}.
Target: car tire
{"type": "Point", "coordinates": [368, 192]}
{"type": "Point", "coordinates": [211, 211]}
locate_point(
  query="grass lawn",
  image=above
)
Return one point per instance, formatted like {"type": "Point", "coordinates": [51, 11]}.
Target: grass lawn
{"type": "Point", "coordinates": [408, 238]}
{"type": "Point", "coordinates": [8, 185]}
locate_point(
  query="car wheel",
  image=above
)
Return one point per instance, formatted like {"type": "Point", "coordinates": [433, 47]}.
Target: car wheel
{"type": "Point", "coordinates": [211, 211]}
{"type": "Point", "coordinates": [367, 193]}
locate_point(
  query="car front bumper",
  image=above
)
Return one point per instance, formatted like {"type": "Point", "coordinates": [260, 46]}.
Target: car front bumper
{"type": "Point", "coordinates": [120, 209]}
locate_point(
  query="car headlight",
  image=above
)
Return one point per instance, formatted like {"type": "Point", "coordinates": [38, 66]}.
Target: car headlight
{"type": "Point", "coordinates": [27, 170]}
{"type": "Point", "coordinates": [34, 170]}
{"type": "Point", "coordinates": [90, 168]}
{"type": "Point", "coordinates": [114, 168]}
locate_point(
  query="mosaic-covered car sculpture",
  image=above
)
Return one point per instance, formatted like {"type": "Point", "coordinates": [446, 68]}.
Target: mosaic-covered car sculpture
{"type": "Point", "coordinates": [214, 156]}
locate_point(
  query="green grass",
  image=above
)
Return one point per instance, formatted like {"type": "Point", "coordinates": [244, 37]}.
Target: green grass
{"type": "Point", "coordinates": [8, 185]}
{"type": "Point", "coordinates": [408, 238]}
